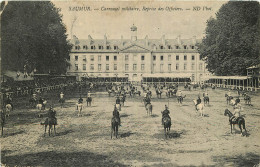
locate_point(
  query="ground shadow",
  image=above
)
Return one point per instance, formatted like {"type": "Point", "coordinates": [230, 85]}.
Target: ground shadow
{"type": "Point", "coordinates": [52, 158]}
{"type": "Point", "coordinates": [13, 133]}
{"type": "Point", "coordinates": [154, 115]}
{"type": "Point", "coordinates": [124, 115]}
{"type": "Point", "coordinates": [171, 135]}
{"type": "Point", "coordinates": [64, 133]}
{"type": "Point", "coordinates": [248, 159]}
{"type": "Point", "coordinates": [127, 134]}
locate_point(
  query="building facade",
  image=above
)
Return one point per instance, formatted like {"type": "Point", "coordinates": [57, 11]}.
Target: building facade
{"type": "Point", "coordinates": [136, 58]}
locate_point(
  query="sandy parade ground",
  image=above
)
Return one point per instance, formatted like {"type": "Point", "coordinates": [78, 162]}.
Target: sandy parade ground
{"type": "Point", "coordinates": [85, 140]}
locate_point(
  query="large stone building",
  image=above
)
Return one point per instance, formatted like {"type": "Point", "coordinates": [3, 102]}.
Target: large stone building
{"type": "Point", "coordinates": [136, 58]}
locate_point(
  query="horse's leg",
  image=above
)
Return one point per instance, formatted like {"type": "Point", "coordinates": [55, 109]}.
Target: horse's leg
{"type": "Point", "coordinates": [49, 130]}
{"type": "Point", "coordinates": [231, 127]}
{"type": "Point", "coordinates": [54, 130]}
{"type": "Point", "coordinates": [165, 132]}
{"type": "Point", "coordinates": [45, 130]}
{"type": "Point", "coordinates": [116, 130]}
{"type": "Point", "coordinates": [111, 130]}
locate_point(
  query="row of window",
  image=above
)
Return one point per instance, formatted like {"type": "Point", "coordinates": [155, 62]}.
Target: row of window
{"type": "Point", "coordinates": [177, 57]}
{"type": "Point", "coordinates": [142, 67]}
{"type": "Point", "coordinates": [108, 47]}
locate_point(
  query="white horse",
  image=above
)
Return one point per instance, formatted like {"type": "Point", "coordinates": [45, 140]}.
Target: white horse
{"type": "Point", "coordinates": [232, 102]}
{"type": "Point", "coordinates": [200, 108]}
{"type": "Point", "coordinates": [79, 108]}
{"type": "Point", "coordinates": [8, 108]}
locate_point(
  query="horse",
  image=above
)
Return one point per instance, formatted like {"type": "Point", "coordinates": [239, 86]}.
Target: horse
{"type": "Point", "coordinates": [109, 92]}
{"type": "Point", "coordinates": [122, 101]}
{"type": "Point", "coordinates": [228, 98]}
{"type": "Point", "coordinates": [149, 109]}
{"type": "Point", "coordinates": [3, 117]}
{"type": "Point", "coordinates": [118, 107]}
{"type": "Point", "coordinates": [205, 99]}
{"type": "Point", "coordinates": [167, 125]}
{"type": "Point", "coordinates": [240, 121]}
{"type": "Point", "coordinates": [79, 107]}
{"type": "Point", "coordinates": [50, 122]}
{"type": "Point", "coordinates": [137, 92]}
{"type": "Point", "coordinates": [89, 100]}
{"type": "Point", "coordinates": [159, 93]}
{"type": "Point", "coordinates": [32, 102]}
{"type": "Point", "coordinates": [247, 99]}
{"type": "Point", "coordinates": [180, 99]}
{"type": "Point", "coordinates": [199, 108]}
{"type": "Point", "coordinates": [8, 109]}
{"type": "Point", "coordinates": [62, 101]}
{"type": "Point", "coordinates": [114, 126]}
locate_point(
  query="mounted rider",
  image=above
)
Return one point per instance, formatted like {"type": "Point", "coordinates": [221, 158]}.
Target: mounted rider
{"type": "Point", "coordinates": [165, 113]}
{"type": "Point", "coordinates": [116, 115]}
{"type": "Point", "coordinates": [62, 97]}
{"type": "Point", "coordinates": [237, 109]}
{"type": "Point", "coordinates": [80, 101]}
{"type": "Point", "coordinates": [147, 101]}
{"type": "Point", "coordinates": [179, 94]}
{"type": "Point", "coordinates": [52, 114]}
{"type": "Point", "coordinates": [198, 101]}
{"type": "Point", "coordinates": [9, 100]}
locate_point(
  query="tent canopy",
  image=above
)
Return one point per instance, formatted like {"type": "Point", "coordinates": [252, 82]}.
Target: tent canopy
{"type": "Point", "coordinates": [167, 75]}
{"type": "Point", "coordinates": [226, 77]}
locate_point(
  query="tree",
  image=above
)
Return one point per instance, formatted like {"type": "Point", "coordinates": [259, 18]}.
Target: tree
{"type": "Point", "coordinates": [33, 34]}
{"type": "Point", "coordinates": [232, 40]}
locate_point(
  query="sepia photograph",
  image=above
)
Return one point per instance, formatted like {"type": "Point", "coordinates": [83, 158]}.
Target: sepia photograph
{"type": "Point", "coordinates": [130, 83]}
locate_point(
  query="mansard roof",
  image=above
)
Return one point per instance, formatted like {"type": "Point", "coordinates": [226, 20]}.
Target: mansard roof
{"type": "Point", "coordinates": [153, 45]}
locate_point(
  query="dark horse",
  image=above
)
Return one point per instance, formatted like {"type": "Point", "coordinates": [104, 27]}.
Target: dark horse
{"type": "Point", "coordinates": [114, 126]}
{"type": "Point", "coordinates": [240, 121]}
{"type": "Point", "coordinates": [180, 99]}
{"type": "Point", "coordinates": [159, 93]}
{"type": "Point", "coordinates": [89, 100]}
{"type": "Point", "coordinates": [228, 98]}
{"type": "Point", "coordinates": [50, 122]}
{"type": "Point", "coordinates": [167, 125]}
{"type": "Point", "coordinates": [247, 99]}
{"type": "Point", "coordinates": [206, 99]}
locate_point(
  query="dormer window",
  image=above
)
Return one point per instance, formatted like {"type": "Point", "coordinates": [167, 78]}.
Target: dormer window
{"type": "Point", "coordinates": [192, 47]}
{"type": "Point", "coordinates": [85, 47]}
{"type": "Point", "coordinates": [185, 46]}
{"type": "Point", "coordinates": [177, 47]}
{"type": "Point", "coordinates": [161, 47]}
{"type": "Point", "coordinates": [108, 47]}
{"type": "Point", "coordinates": [77, 47]}
{"type": "Point", "coordinates": [169, 47]}
{"type": "Point", "coordinates": [100, 47]}
{"type": "Point", "coordinates": [115, 47]}
{"type": "Point", "coordinates": [93, 47]}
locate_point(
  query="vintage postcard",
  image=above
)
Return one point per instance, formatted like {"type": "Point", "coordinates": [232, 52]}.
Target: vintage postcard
{"type": "Point", "coordinates": [130, 83]}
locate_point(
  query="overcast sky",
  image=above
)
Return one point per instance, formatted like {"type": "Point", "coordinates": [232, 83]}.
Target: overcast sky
{"type": "Point", "coordinates": [187, 23]}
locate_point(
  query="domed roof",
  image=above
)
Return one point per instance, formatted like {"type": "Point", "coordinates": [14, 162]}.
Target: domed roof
{"type": "Point", "coordinates": [133, 28]}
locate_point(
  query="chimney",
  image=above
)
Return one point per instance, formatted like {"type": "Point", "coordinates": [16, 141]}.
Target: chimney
{"type": "Point", "coordinates": [105, 39]}
{"type": "Point", "coordinates": [194, 40]}
{"type": "Point", "coordinates": [75, 40]}
{"type": "Point", "coordinates": [90, 39]}
{"type": "Point", "coordinates": [179, 39]}
{"type": "Point", "coordinates": [146, 40]}
{"type": "Point", "coordinates": [122, 40]}
{"type": "Point", "coordinates": [163, 40]}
